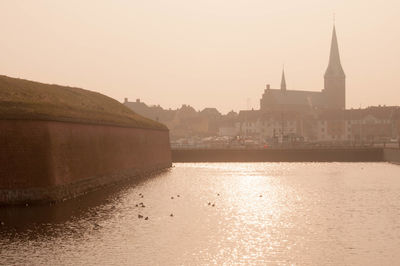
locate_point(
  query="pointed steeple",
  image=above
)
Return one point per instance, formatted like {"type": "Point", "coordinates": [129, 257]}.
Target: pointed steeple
{"type": "Point", "coordinates": [334, 79]}
{"type": "Point", "coordinates": [283, 81]}
{"type": "Point", "coordinates": [334, 66]}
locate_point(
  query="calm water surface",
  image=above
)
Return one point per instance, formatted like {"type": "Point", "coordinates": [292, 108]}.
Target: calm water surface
{"type": "Point", "coordinates": [264, 213]}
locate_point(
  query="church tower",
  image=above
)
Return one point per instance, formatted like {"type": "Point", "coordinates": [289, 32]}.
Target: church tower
{"type": "Point", "coordinates": [335, 79]}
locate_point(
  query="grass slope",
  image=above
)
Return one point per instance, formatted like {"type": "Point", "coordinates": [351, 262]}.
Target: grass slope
{"type": "Point", "coordinates": [28, 100]}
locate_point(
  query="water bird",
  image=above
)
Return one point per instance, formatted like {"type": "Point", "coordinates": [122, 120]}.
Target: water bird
{"type": "Point", "coordinates": [172, 215]}
{"type": "Point", "coordinates": [146, 218]}
{"type": "Point", "coordinates": [136, 205]}
{"type": "Point", "coordinates": [172, 197]}
{"type": "Point", "coordinates": [140, 216]}
{"type": "Point", "coordinates": [260, 196]}
{"type": "Point", "coordinates": [178, 195]}
{"type": "Point", "coordinates": [209, 203]}
{"type": "Point", "coordinates": [96, 226]}
{"type": "Point", "coordinates": [1, 223]}
{"type": "Point", "coordinates": [213, 205]}
{"type": "Point", "coordinates": [217, 194]}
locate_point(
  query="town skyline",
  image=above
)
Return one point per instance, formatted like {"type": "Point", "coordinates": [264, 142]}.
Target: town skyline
{"type": "Point", "coordinates": [176, 53]}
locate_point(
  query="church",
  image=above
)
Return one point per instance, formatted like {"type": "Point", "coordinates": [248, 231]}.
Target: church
{"type": "Point", "coordinates": [333, 96]}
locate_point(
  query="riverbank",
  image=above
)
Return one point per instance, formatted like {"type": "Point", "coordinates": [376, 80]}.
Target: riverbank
{"type": "Point", "coordinates": [279, 155]}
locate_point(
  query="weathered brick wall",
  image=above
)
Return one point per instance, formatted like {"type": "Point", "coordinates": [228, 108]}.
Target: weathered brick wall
{"type": "Point", "coordinates": [392, 155]}
{"type": "Point", "coordinates": [38, 156]}
{"type": "Point", "coordinates": [24, 154]}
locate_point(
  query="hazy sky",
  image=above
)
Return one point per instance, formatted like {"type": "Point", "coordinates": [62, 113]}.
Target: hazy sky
{"type": "Point", "coordinates": [206, 53]}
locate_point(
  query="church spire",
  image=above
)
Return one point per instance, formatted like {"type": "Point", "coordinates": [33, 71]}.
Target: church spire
{"type": "Point", "coordinates": [335, 79]}
{"type": "Point", "coordinates": [283, 81]}
{"type": "Point", "coordinates": [334, 66]}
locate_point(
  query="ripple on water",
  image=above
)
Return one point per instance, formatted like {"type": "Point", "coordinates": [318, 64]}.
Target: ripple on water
{"type": "Point", "coordinates": [263, 213]}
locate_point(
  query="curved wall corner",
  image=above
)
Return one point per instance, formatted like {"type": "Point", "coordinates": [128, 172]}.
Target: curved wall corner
{"type": "Point", "coordinates": [44, 161]}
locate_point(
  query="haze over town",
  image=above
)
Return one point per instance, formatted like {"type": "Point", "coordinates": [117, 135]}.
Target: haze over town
{"type": "Point", "coordinates": [181, 132]}
{"type": "Point", "coordinates": [204, 53]}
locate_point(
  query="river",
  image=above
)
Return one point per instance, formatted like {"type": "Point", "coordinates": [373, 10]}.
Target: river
{"type": "Point", "coordinates": [219, 213]}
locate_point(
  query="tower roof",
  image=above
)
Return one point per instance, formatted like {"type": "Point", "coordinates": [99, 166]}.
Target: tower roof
{"type": "Point", "coordinates": [283, 81]}
{"type": "Point", "coordinates": [334, 66]}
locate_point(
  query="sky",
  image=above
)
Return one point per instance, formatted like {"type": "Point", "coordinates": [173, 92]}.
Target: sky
{"type": "Point", "coordinates": [208, 53]}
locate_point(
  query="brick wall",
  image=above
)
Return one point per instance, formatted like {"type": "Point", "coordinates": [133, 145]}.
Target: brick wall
{"type": "Point", "coordinates": [44, 160]}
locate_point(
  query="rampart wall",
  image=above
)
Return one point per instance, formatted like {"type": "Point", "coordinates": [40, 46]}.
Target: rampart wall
{"type": "Point", "coordinates": [43, 161]}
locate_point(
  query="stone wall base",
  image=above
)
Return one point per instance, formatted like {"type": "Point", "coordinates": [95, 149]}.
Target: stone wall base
{"type": "Point", "coordinates": [41, 195]}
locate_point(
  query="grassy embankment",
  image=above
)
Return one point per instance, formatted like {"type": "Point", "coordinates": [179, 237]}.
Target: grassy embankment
{"type": "Point", "coordinates": [28, 100]}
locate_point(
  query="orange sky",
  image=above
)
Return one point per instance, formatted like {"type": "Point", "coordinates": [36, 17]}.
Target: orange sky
{"type": "Point", "coordinates": [208, 53]}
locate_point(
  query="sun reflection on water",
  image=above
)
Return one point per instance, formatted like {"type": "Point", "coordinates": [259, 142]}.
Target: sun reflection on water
{"type": "Point", "coordinates": [226, 213]}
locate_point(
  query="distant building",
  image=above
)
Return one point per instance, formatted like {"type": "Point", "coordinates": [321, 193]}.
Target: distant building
{"type": "Point", "coordinates": [331, 97]}
{"type": "Point", "coordinates": [274, 124]}
{"type": "Point", "coordinates": [210, 113]}
{"type": "Point", "coordinates": [154, 112]}
{"type": "Point", "coordinates": [286, 116]}
{"type": "Point", "coordinates": [182, 122]}
{"type": "Point", "coordinates": [372, 124]}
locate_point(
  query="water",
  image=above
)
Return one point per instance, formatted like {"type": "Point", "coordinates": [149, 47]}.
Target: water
{"type": "Point", "coordinates": [264, 213]}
